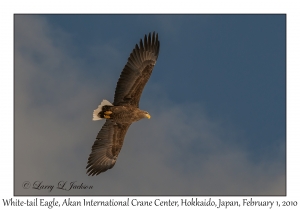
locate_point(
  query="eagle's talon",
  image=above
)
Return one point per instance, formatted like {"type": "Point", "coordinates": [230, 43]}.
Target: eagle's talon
{"type": "Point", "coordinates": [108, 112]}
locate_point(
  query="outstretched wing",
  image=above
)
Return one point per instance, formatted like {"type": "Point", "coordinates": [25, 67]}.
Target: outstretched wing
{"type": "Point", "coordinates": [107, 147]}
{"type": "Point", "coordinates": [137, 71]}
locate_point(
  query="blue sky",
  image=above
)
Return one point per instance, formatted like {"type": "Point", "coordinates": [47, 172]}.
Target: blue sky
{"type": "Point", "coordinates": [235, 63]}
{"type": "Point", "coordinates": [217, 97]}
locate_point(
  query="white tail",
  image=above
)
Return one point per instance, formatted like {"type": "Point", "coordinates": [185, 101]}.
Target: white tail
{"type": "Point", "coordinates": [99, 109]}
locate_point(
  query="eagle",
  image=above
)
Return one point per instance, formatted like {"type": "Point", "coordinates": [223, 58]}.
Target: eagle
{"type": "Point", "coordinates": [124, 110]}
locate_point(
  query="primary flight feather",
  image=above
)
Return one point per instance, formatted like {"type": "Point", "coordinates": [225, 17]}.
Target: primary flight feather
{"type": "Point", "coordinates": [125, 108]}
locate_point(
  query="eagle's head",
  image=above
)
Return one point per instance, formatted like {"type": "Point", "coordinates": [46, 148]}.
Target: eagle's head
{"type": "Point", "coordinates": [140, 114]}
{"type": "Point", "coordinates": [147, 115]}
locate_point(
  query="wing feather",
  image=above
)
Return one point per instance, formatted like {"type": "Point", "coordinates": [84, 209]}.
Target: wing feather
{"type": "Point", "coordinates": [137, 71]}
{"type": "Point", "coordinates": [140, 60]}
{"type": "Point", "coordinates": [107, 147]}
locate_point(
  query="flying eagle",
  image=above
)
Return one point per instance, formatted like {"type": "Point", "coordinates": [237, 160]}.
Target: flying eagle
{"type": "Point", "coordinates": [125, 108]}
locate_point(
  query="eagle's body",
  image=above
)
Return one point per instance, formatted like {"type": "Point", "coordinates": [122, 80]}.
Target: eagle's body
{"type": "Point", "coordinates": [125, 109]}
{"type": "Point", "coordinates": [123, 114]}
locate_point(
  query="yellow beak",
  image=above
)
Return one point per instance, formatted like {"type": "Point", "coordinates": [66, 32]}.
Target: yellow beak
{"type": "Point", "coordinates": [148, 116]}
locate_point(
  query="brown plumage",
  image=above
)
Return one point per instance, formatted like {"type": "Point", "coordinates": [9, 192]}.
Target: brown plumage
{"type": "Point", "coordinates": [125, 109]}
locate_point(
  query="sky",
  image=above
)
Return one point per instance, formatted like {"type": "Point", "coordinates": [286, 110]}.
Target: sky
{"type": "Point", "coordinates": [217, 99]}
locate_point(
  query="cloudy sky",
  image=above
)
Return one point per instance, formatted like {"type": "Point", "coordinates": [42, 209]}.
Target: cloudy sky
{"type": "Point", "coordinates": [217, 99]}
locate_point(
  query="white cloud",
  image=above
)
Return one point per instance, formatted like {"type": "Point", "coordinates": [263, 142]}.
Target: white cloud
{"type": "Point", "coordinates": [176, 152]}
